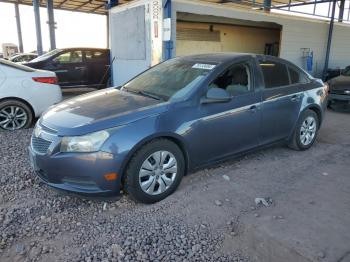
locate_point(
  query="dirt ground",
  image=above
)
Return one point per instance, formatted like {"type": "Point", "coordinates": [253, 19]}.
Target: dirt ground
{"type": "Point", "coordinates": [211, 217]}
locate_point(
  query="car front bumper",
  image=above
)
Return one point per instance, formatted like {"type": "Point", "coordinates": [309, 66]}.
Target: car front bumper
{"type": "Point", "coordinates": [77, 172]}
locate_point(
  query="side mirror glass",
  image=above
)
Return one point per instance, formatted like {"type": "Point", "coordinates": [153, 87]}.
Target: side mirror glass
{"type": "Point", "coordinates": [216, 95]}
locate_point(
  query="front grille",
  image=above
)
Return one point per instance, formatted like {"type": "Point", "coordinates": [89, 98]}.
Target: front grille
{"type": "Point", "coordinates": [40, 145]}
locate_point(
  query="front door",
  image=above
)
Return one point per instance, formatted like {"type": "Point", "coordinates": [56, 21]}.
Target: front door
{"type": "Point", "coordinates": [229, 127]}
{"type": "Point", "coordinates": [69, 68]}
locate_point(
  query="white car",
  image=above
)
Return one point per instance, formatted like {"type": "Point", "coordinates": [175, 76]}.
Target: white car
{"type": "Point", "coordinates": [25, 93]}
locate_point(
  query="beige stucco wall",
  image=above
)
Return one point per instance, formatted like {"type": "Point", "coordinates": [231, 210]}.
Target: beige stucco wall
{"type": "Point", "coordinates": [233, 39]}
{"type": "Point", "coordinates": [297, 32]}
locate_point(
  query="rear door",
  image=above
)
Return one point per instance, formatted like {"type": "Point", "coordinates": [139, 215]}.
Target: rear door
{"type": "Point", "coordinates": [281, 101]}
{"type": "Point", "coordinates": [97, 62]}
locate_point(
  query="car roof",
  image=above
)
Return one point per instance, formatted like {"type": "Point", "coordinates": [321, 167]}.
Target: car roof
{"type": "Point", "coordinates": [218, 57]}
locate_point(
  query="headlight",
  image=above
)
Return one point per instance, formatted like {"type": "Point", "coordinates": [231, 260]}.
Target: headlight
{"type": "Point", "coordinates": [87, 143]}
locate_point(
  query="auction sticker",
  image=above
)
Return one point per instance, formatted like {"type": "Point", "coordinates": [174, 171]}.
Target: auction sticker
{"type": "Point", "coordinates": [203, 66]}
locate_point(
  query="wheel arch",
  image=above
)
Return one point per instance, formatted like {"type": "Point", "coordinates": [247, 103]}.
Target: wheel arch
{"type": "Point", "coordinates": [175, 138]}
{"type": "Point", "coordinates": [317, 110]}
{"type": "Point", "coordinates": [20, 100]}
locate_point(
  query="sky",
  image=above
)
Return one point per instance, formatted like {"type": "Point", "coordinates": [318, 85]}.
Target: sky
{"type": "Point", "coordinates": [73, 29]}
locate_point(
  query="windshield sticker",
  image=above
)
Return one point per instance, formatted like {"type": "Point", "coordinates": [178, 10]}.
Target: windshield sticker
{"type": "Point", "coordinates": [203, 66]}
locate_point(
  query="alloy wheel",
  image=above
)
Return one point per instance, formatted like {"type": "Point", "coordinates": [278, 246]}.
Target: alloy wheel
{"type": "Point", "coordinates": [13, 117]}
{"type": "Point", "coordinates": [308, 130]}
{"type": "Point", "coordinates": [158, 172]}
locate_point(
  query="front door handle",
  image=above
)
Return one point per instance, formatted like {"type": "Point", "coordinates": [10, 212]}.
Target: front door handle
{"type": "Point", "coordinates": [253, 108]}
{"type": "Point", "coordinates": [80, 67]}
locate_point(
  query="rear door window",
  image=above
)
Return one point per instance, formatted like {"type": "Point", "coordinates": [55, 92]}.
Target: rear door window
{"type": "Point", "coordinates": [275, 74]}
{"type": "Point", "coordinates": [94, 56]}
{"type": "Point", "coordinates": [297, 76]}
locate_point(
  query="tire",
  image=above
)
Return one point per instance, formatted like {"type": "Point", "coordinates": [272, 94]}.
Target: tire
{"type": "Point", "coordinates": [15, 115]}
{"type": "Point", "coordinates": [142, 169]}
{"type": "Point", "coordinates": [299, 141]}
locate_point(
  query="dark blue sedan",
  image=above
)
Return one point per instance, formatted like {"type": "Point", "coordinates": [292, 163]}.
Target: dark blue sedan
{"type": "Point", "coordinates": [180, 115]}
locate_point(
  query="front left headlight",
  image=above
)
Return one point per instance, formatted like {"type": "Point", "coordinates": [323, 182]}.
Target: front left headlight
{"type": "Point", "coordinates": [87, 143]}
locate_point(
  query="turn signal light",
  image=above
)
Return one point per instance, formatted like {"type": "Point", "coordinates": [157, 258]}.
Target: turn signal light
{"type": "Point", "coordinates": [111, 176]}
{"type": "Point", "coordinates": [46, 80]}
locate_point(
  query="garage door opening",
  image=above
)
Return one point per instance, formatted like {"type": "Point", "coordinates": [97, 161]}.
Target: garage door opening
{"type": "Point", "coordinates": [197, 34]}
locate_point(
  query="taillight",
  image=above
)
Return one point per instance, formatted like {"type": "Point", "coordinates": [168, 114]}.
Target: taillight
{"type": "Point", "coordinates": [46, 80]}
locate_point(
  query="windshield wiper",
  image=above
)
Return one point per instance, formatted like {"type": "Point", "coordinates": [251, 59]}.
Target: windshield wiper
{"type": "Point", "coordinates": [144, 93]}
{"type": "Point", "coordinates": [151, 95]}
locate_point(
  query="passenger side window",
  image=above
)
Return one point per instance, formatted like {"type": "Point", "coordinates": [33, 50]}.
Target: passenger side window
{"type": "Point", "coordinates": [275, 73]}
{"type": "Point", "coordinates": [69, 57]}
{"type": "Point", "coordinates": [236, 80]}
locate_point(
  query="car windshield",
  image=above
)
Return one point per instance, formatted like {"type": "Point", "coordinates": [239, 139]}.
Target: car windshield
{"type": "Point", "coordinates": [44, 56]}
{"type": "Point", "coordinates": [169, 79]}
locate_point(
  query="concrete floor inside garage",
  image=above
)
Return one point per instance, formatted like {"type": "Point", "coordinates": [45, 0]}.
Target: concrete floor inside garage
{"type": "Point", "coordinates": [211, 217]}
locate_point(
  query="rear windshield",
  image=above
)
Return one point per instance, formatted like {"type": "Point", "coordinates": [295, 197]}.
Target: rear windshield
{"type": "Point", "coordinates": [16, 66]}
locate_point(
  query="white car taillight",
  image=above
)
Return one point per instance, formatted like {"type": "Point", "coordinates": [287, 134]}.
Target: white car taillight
{"type": "Point", "coordinates": [46, 80]}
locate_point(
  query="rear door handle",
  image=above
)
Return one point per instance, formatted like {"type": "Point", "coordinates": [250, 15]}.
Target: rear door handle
{"type": "Point", "coordinates": [79, 67]}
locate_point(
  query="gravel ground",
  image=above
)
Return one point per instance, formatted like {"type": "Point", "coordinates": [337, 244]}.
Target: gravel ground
{"type": "Point", "coordinates": [38, 223]}
{"type": "Point", "coordinates": [206, 219]}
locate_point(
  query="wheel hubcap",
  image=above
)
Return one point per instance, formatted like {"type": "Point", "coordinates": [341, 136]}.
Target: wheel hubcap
{"type": "Point", "coordinates": [308, 130]}
{"type": "Point", "coordinates": [13, 117]}
{"type": "Point", "coordinates": [158, 172]}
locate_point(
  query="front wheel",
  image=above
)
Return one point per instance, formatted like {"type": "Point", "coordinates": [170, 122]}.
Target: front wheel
{"type": "Point", "coordinates": [155, 171]}
{"type": "Point", "coordinates": [306, 131]}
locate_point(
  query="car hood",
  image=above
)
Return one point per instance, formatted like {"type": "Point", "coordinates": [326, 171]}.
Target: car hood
{"type": "Point", "coordinates": [339, 83]}
{"type": "Point", "coordinates": [100, 110]}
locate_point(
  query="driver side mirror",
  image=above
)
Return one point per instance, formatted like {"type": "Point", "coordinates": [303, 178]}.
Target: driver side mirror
{"type": "Point", "coordinates": [216, 95]}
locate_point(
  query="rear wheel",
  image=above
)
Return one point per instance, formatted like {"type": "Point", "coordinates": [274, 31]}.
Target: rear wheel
{"type": "Point", "coordinates": [306, 131]}
{"type": "Point", "coordinates": [155, 171]}
{"type": "Point", "coordinates": [15, 115]}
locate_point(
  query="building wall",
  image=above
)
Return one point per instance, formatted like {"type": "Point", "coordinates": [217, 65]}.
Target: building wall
{"type": "Point", "coordinates": [232, 38]}
{"type": "Point", "coordinates": [297, 32]}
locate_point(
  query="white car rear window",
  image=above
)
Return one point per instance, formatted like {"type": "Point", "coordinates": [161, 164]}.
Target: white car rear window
{"type": "Point", "coordinates": [17, 66]}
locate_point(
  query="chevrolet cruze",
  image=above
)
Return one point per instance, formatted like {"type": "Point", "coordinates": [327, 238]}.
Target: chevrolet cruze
{"type": "Point", "coordinates": [180, 115]}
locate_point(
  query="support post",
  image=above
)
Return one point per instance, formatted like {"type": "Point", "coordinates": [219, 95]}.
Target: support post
{"type": "Point", "coordinates": [169, 45]}
{"type": "Point", "coordinates": [51, 23]}
{"type": "Point", "coordinates": [341, 10]}
{"type": "Point", "coordinates": [107, 24]}
{"type": "Point", "coordinates": [38, 27]}
{"type": "Point", "coordinates": [267, 5]}
{"type": "Point", "coordinates": [329, 41]}
{"type": "Point", "coordinates": [19, 28]}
